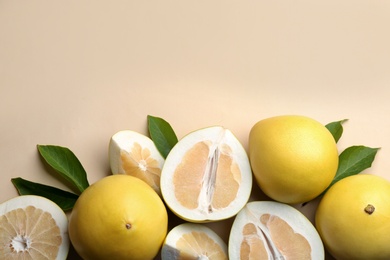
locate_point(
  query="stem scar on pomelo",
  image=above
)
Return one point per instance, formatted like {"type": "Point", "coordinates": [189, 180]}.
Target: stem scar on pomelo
{"type": "Point", "coordinates": [118, 217]}
{"type": "Point", "coordinates": [135, 154]}
{"type": "Point", "coordinates": [360, 227]}
{"type": "Point", "coordinates": [293, 158]}
{"type": "Point", "coordinates": [193, 241]}
{"type": "Point", "coordinates": [206, 176]}
{"type": "Point", "coordinates": [273, 230]}
{"type": "Point", "coordinates": [33, 227]}
{"type": "Point", "coordinates": [369, 209]}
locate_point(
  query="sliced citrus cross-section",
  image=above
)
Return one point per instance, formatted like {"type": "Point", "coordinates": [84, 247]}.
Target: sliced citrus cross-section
{"type": "Point", "coordinates": [33, 227]}
{"type": "Point", "coordinates": [206, 176]}
{"type": "Point", "coordinates": [135, 154]}
{"type": "Point", "coordinates": [193, 241]}
{"type": "Point", "coordinates": [273, 230]}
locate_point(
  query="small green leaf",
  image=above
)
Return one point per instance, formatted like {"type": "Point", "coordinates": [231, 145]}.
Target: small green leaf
{"type": "Point", "coordinates": [64, 199]}
{"type": "Point", "coordinates": [162, 134]}
{"type": "Point", "coordinates": [336, 129]}
{"type": "Point", "coordinates": [64, 162]}
{"type": "Point", "coordinates": [353, 160]}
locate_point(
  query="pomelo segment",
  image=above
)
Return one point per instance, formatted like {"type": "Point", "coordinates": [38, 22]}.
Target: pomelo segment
{"type": "Point", "coordinates": [207, 176]}
{"type": "Point", "coordinates": [193, 241]}
{"type": "Point", "coordinates": [273, 230]}
{"type": "Point", "coordinates": [135, 154]}
{"type": "Point", "coordinates": [33, 227]}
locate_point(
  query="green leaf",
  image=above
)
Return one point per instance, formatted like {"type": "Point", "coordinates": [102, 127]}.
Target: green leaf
{"type": "Point", "coordinates": [64, 162]}
{"type": "Point", "coordinates": [336, 129]}
{"type": "Point", "coordinates": [162, 135]}
{"type": "Point", "coordinates": [353, 160]}
{"type": "Point", "coordinates": [64, 199]}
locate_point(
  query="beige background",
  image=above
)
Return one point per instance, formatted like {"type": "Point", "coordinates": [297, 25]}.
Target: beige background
{"type": "Point", "coordinates": [72, 73]}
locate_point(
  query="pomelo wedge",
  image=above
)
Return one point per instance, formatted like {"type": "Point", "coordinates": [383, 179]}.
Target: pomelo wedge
{"type": "Point", "coordinates": [135, 154]}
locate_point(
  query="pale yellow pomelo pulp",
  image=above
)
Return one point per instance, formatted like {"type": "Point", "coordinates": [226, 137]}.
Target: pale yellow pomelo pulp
{"type": "Point", "coordinates": [118, 217]}
{"type": "Point", "coordinates": [33, 227]}
{"type": "Point", "coordinates": [273, 230]}
{"type": "Point", "coordinates": [353, 218]}
{"type": "Point", "coordinates": [293, 158]}
{"type": "Point", "coordinates": [135, 154]}
{"type": "Point", "coordinates": [206, 176]}
{"type": "Point", "coordinates": [193, 241]}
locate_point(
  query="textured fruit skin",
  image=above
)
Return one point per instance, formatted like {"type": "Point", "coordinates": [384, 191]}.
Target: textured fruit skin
{"type": "Point", "coordinates": [347, 231]}
{"type": "Point", "coordinates": [97, 224]}
{"type": "Point", "coordinates": [293, 158]}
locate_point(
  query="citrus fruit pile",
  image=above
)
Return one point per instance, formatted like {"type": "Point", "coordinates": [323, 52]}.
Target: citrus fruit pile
{"type": "Point", "coordinates": [208, 177]}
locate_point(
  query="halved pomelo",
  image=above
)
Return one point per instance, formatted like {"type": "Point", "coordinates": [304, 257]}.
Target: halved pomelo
{"type": "Point", "coordinates": [135, 154]}
{"type": "Point", "coordinates": [193, 241]}
{"type": "Point", "coordinates": [273, 230]}
{"type": "Point", "coordinates": [207, 176]}
{"type": "Point", "coordinates": [33, 227]}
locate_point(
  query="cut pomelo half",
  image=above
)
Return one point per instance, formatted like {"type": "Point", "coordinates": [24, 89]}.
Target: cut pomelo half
{"type": "Point", "coordinates": [207, 176]}
{"type": "Point", "coordinates": [135, 154]}
{"type": "Point", "coordinates": [273, 230]}
{"type": "Point", "coordinates": [193, 241]}
{"type": "Point", "coordinates": [33, 227]}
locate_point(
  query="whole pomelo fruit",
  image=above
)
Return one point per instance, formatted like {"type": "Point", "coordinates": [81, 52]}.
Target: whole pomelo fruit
{"type": "Point", "coordinates": [353, 218]}
{"type": "Point", "coordinates": [293, 158]}
{"type": "Point", "coordinates": [118, 217]}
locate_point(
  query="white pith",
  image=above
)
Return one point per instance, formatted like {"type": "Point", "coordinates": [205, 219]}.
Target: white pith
{"type": "Point", "coordinates": [142, 165]}
{"type": "Point", "coordinates": [217, 136]}
{"type": "Point", "coordinates": [23, 242]}
{"type": "Point", "coordinates": [209, 178]}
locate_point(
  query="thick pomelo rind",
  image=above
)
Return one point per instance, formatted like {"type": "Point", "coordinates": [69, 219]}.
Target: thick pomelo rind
{"type": "Point", "coordinates": [169, 250]}
{"type": "Point", "coordinates": [213, 133]}
{"type": "Point", "coordinates": [291, 215]}
{"type": "Point", "coordinates": [45, 205]}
